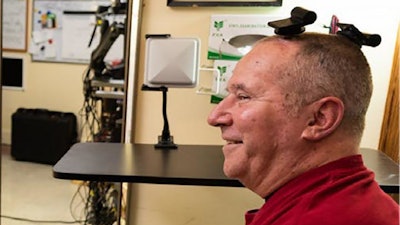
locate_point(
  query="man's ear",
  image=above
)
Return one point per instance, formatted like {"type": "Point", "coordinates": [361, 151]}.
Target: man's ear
{"type": "Point", "coordinates": [326, 116]}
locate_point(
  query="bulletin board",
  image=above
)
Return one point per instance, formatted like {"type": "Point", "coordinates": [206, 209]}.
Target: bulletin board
{"type": "Point", "coordinates": [62, 30]}
{"type": "Point", "coordinates": [14, 25]}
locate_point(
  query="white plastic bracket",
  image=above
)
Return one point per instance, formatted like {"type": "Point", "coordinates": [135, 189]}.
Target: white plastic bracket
{"type": "Point", "coordinates": [208, 90]}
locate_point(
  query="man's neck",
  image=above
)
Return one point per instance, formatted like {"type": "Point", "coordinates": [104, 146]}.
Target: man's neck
{"type": "Point", "coordinates": [313, 155]}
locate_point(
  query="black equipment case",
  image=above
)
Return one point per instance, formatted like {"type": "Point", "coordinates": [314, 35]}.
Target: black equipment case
{"type": "Point", "coordinates": [40, 135]}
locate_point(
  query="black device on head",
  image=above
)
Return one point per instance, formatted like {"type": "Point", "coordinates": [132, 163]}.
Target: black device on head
{"type": "Point", "coordinates": [295, 24]}
{"type": "Point", "coordinates": [300, 17]}
{"type": "Point", "coordinates": [356, 36]}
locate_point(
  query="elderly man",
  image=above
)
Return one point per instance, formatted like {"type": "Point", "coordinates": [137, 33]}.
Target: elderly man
{"type": "Point", "coordinates": [292, 122]}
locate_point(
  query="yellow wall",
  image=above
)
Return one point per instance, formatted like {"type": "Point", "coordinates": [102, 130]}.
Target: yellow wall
{"type": "Point", "coordinates": [50, 86]}
{"type": "Point", "coordinates": [53, 86]}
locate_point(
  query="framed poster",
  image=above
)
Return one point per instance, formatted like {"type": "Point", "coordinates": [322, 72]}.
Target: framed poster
{"type": "Point", "coordinates": [194, 3]}
{"type": "Point", "coordinates": [15, 16]}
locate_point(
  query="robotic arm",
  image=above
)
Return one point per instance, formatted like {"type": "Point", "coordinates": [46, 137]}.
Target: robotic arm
{"type": "Point", "coordinates": [107, 39]}
{"type": "Point", "coordinates": [109, 34]}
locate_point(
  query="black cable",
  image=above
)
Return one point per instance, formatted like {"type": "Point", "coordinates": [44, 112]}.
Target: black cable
{"type": "Point", "coordinates": [88, 112]}
{"type": "Point", "coordinates": [101, 207]}
{"type": "Point", "coordinates": [75, 220]}
{"type": "Point", "coordinates": [165, 133]}
{"type": "Point", "coordinates": [82, 198]}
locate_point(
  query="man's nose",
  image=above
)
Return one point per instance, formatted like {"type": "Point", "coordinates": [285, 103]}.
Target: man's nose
{"type": "Point", "coordinates": [220, 116]}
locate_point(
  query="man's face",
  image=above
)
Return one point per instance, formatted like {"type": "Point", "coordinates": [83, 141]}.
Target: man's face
{"type": "Point", "coordinates": [256, 127]}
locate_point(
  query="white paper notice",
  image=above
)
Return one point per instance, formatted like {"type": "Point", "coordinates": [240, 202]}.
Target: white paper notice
{"type": "Point", "coordinates": [76, 28]}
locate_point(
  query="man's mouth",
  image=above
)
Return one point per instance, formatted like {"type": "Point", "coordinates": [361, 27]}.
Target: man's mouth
{"type": "Point", "coordinates": [234, 142]}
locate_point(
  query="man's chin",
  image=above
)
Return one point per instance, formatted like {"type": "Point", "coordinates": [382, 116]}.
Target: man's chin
{"type": "Point", "coordinates": [230, 172]}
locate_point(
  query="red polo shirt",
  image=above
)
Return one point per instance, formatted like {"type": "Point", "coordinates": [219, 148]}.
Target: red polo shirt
{"type": "Point", "coordinates": [342, 192]}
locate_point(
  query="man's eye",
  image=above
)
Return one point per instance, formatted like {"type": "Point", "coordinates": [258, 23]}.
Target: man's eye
{"type": "Point", "coordinates": [243, 97]}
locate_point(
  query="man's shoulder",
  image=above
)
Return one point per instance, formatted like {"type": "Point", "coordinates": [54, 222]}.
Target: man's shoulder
{"type": "Point", "coordinates": [331, 195]}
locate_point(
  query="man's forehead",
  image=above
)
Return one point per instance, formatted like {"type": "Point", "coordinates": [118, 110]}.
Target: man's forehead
{"type": "Point", "coordinates": [248, 82]}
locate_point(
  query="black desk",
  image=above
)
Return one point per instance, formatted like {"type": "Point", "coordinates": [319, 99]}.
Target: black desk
{"type": "Point", "coordinates": [187, 165]}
